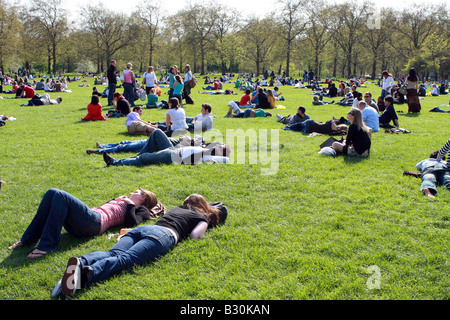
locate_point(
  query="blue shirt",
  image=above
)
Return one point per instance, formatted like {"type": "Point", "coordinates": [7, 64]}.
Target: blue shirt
{"type": "Point", "coordinates": [370, 118]}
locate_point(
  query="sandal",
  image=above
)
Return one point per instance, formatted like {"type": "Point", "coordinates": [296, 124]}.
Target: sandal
{"type": "Point", "coordinates": [18, 244]}
{"type": "Point", "coordinates": [36, 253]}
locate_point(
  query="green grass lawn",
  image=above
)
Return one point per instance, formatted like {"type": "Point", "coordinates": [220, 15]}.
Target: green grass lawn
{"type": "Point", "coordinates": [310, 231]}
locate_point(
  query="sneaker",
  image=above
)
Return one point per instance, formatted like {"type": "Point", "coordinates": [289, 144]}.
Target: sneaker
{"type": "Point", "coordinates": [107, 158]}
{"type": "Point", "coordinates": [71, 280]}
{"type": "Point", "coordinates": [434, 109]}
{"type": "Point", "coordinates": [332, 102]}
{"type": "Point", "coordinates": [279, 117]}
{"type": "Point", "coordinates": [91, 151]}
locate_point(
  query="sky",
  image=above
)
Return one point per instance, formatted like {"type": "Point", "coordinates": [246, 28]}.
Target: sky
{"type": "Point", "coordinates": [245, 7]}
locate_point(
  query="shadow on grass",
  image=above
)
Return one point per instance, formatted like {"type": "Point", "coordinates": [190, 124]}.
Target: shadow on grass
{"type": "Point", "coordinates": [410, 114]}
{"type": "Point", "coordinates": [18, 256]}
{"type": "Point", "coordinates": [354, 160]}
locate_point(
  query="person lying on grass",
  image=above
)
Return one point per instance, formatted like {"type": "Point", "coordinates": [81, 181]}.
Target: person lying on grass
{"type": "Point", "coordinates": [434, 172]}
{"type": "Point", "coordinates": [358, 140]}
{"type": "Point", "coordinates": [309, 126]}
{"type": "Point", "coordinates": [59, 208]}
{"type": "Point", "coordinates": [138, 145]}
{"type": "Point", "coordinates": [142, 244]}
{"type": "Point", "coordinates": [160, 150]}
{"type": "Point", "coordinates": [247, 113]}
{"type": "Point", "coordinates": [300, 116]}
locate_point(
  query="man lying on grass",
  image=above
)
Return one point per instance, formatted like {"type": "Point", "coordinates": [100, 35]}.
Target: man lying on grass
{"type": "Point", "coordinates": [160, 150]}
{"type": "Point", "coordinates": [434, 172]}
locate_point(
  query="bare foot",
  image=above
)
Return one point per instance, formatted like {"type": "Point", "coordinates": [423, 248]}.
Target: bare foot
{"type": "Point", "coordinates": [16, 245]}
{"type": "Point", "coordinates": [428, 193]}
{"type": "Point", "coordinates": [36, 253]}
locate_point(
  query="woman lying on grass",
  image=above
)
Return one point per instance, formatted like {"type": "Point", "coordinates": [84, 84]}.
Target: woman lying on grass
{"type": "Point", "coordinates": [309, 126]}
{"type": "Point", "coordinates": [142, 244]}
{"type": "Point", "coordinates": [59, 208]}
{"type": "Point", "coordinates": [358, 140]}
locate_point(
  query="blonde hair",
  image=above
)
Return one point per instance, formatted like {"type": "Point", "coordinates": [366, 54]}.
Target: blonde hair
{"type": "Point", "coordinates": [357, 114]}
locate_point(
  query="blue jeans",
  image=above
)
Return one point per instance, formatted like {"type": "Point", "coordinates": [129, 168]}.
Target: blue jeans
{"type": "Point", "coordinates": [138, 246]}
{"type": "Point", "coordinates": [384, 93]}
{"type": "Point", "coordinates": [432, 177]}
{"type": "Point", "coordinates": [128, 92]}
{"type": "Point", "coordinates": [123, 146]}
{"type": "Point", "coordinates": [165, 156]}
{"type": "Point", "coordinates": [157, 141]}
{"type": "Point", "coordinates": [57, 209]}
{"type": "Point", "coordinates": [111, 90]}
{"type": "Point", "coordinates": [300, 126]}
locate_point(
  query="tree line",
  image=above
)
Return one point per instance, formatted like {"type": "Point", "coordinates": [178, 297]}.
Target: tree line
{"type": "Point", "coordinates": [355, 38]}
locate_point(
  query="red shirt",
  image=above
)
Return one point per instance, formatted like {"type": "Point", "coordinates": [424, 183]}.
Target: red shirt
{"type": "Point", "coordinates": [244, 100]}
{"type": "Point", "coordinates": [111, 214]}
{"type": "Point", "coordinates": [94, 113]}
{"type": "Point", "coordinates": [216, 85]}
{"type": "Point", "coordinates": [29, 92]}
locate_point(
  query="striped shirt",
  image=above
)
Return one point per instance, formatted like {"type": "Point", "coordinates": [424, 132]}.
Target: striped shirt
{"type": "Point", "coordinates": [111, 214]}
{"type": "Point", "coordinates": [444, 150]}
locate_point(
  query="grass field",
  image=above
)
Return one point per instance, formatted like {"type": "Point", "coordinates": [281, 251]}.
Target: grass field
{"type": "Point", "coordinates": [314, 230]}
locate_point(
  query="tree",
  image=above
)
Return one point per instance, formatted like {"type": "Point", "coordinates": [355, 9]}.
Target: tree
{"type": "Point", "coordinates": [291, 25]}
{"type": "Point", "coordinates": [259, 40]}
{"type": "Point", "coordinates": [317, 33]}
{"type": "Point", "coordinates": [150, 17]}
{"type": "Point", "coordinates": [198, 22]}
{"type": "Point", "coordinates": [9, 24]}
{"type": "Point", "coordinates": [222, 40]}
{"type": "Point", "coordinates": [346, 24]}
{"type": "Point", "coordinates": [109, 28]}
{"type": "Point", "coordinates": [49, 21]}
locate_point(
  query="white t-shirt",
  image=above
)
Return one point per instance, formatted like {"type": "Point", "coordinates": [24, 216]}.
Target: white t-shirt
{"type": "Point", "coordinates": [187, 77]}
{"type": "Point", "coordinates": [132, 117]}
{"type": "Point", "coordinates": [206, 121]}
{"type": "Point", "coordinates": [177, 118]}
{"type": "Point", "coordinates": [388, 83]}
{"type": "Point", "coordinates": [150, 79]}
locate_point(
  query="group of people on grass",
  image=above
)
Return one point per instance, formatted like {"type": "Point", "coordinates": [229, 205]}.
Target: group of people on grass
{"type": "Point", "coordinates": [195, 216]}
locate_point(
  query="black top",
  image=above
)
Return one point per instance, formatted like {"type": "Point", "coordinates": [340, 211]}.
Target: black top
{"type": "Point", "coordinates": [182, 220]}
{"type": "Point", "coordinates": [123, 106]}
{"type": "Point", "coordinates": [388, 115]}
{"type": "Point", "coordinates": [359, 139]}
{"type": "Point", "coordinates": [111, 75]}
{"type": "Point", "coordinates": [263, 101]}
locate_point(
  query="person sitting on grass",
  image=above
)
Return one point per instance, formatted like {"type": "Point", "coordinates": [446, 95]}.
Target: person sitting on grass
{"type": "Point", "coordinates": [389, 114]}
{"type": "Point", "coordinates": [247, 113]}
{"type": "Point", "coordinates": [152, 99]}
{"type": "Point", "coordinates": [318, 102]}
{"type": "Point", "coordinates": [357, 142]}
{"type": "Point", "coordinates": [434, 172]}
{"type": "Point", "coordinates": [246, 100]}
{"type": "Point", "coordinates": [121, 106]}
{"type": "Point", "coordinates": [300, 116]}
{"type": "Point", "coordinates": [94, 110]}
{"type": "Point", "coordinates": [348, 98]}
{"type": "Point", "coordinates": [59, 208]}
{"type": "Point", "coordinates": [135, 125]}
{"type": "Point", "coordinates": [142, 244]}
{"type": "Point", "coordinates": [204, 120]}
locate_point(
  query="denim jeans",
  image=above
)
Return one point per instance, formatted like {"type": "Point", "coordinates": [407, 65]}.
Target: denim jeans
{"type": "Point", "coordinates": [384, 93]}
{"type": "Point", "coordinates": [300, 126]}
{"type": "Point", "coordinates": [157, 141]}
{"type": "Point", "coordinates": [166, 156]}
{"type": "Point", "coordinates": [128, 92]}
{"type": "Point", "coordinates": [111, 90]}
{"type": "Point", "coordinates": [431, 178]}
{"type": "Point", "coordinates": [57, 209]}
{"type": "Point", "coordinates": [138, 246]}
{"type": "Point", "coordinates": [123, 146]}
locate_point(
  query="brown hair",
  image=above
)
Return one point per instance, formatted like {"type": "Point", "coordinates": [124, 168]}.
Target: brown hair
{"type": "Point", "coordinates": [150, 199]}
{"type": "Point", "coordinates": [198, 202]}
